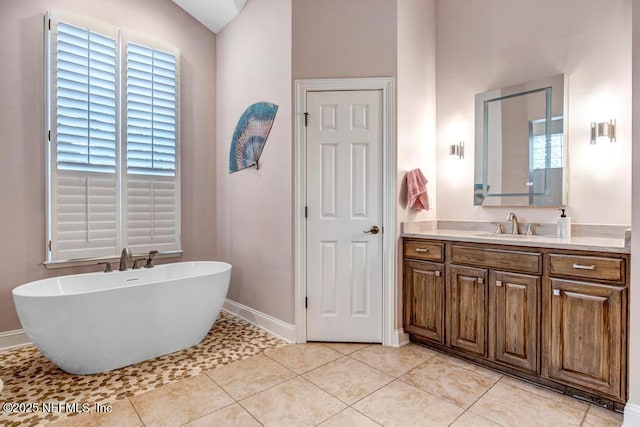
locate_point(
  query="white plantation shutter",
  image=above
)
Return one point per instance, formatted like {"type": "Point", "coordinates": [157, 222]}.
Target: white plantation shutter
{"type": "Point", "coordinates": [151, 212]}
{"type": "Point", "coordinates": [85, 100]}
{"type": "Point", "coordinates": [151, 111]}
{"type": "Point", "coordinates": [84, 212]}
{"type": "Point", "coordinates": [85, 215]}
{"type": "Point", "coordinates": [113, 172]}
{"type": "Point", "coordinates": [152, 188]}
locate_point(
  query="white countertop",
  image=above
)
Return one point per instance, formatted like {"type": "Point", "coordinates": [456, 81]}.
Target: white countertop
{"type": "Point", "coordinates": [601, 244]}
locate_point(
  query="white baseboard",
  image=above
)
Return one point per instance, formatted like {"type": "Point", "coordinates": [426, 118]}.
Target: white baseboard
{"type": "Point", "coordinates": [631, 415]}
{"type": "Point", "coordinates": [13, 339]}
{"type": "Point", "coordinates": [398, 338]}
{"type": "Point", "coordinates": [283, 330]}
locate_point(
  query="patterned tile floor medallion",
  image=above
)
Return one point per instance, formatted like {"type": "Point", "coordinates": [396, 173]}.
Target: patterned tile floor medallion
{"type": "Point", "coordinates": [29, 377]}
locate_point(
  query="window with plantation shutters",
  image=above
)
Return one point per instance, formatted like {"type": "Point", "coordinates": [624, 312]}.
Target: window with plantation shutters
{"type": "Point", "coordinates": [151, 214]}
{"type": "Point", "coordinates": [113, 157]}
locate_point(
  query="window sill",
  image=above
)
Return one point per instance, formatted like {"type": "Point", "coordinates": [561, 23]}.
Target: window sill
{"type": "Point", "coordinates": [94, 261]}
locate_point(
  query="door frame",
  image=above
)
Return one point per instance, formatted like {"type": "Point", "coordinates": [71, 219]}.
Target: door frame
{"type": "Point", "coordinates": [390, 335]}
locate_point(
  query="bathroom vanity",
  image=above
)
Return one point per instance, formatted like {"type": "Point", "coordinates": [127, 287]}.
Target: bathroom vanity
{"type": "Point", "coordinates": [551, 311]}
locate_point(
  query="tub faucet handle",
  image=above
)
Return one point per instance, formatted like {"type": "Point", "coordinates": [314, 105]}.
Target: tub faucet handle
{"type": "Point", "coordinates": [136, 266]}
{"type": "Point", "coordinates": [152, 255]}
{"type": "Point", "coordinates": [107, 266]}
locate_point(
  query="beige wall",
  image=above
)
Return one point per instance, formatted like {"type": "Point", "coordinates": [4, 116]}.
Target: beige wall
{"type": "Point", "coordinates": [338, 38]}
{"type": "Point", "coordinates": [495, 43]}
{"type": "Point", "coordinates": [22, 192]}
{"type": "Point", "coordinates": [634, 304]}
{"type": "Point", "coordinates": [416, 103]}
{"type": "Point", "coordinates": [416, 111]}
{"type": "Point", "coordinates": [254, 207]}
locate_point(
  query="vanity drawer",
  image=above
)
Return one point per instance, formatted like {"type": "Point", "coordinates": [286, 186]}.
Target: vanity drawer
{"type": "Point", "coordinates": [587, 267]}
{"type": "Point", "coordinates": [526, 262]}
{"type": "Point", "coordinates": [428, 251]}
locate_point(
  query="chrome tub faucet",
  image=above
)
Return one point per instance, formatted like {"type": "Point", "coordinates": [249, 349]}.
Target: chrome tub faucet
{"type": "Point", "coordinates": [124, 256]}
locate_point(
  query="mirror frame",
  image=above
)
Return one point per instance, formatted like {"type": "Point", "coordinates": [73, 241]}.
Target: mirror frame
{"type": "Point", "coordinates": [556, 94]}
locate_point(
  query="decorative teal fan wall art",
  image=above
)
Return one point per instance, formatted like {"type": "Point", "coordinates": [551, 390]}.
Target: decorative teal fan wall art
{"type": "Point", "coordinates": [250, 135]}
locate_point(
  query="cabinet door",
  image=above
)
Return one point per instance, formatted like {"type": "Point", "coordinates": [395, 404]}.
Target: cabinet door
{"type": "Point", "coordinates": [587, 335]}
{"type": "Point", "coordinates": [468, 309]}
{"type": "Point", "coordinates": [514, 308]}
{"type": "Point", "coordinates": [424, 299]}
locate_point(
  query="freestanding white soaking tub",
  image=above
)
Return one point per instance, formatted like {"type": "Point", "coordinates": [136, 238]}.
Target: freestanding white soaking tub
{"type": "Point", "coordinates": [97, 322]}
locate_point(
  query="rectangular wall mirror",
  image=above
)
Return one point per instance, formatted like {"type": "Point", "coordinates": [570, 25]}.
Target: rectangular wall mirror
{"type": "Point", "coordinates": [521, 144]}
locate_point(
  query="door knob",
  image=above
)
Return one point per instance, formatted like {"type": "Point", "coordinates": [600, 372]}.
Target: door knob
{"type": "Point", "coordinates": [373, 230]}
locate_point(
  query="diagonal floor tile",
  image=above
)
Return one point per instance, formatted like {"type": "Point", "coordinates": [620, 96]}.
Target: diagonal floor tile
{"type": "Point", "coordinates": [349, 417]}
{"type": "Point", "coordinates": [400, 404]}
{"type": "Point", "coordinates": [294, 402]}
{"type": "Point", "coordinates": [593, 421]}
{"type": "Point", "coordinates": [180, 402]}
{"type": "Point", "coordinates": [393, 361]}
{"type": "Point", "coordinates": [347, 379]}
{"type": "Point", "coordinates": [615, 418]}
{"type": "Point", "coordinates": [232, 415]}
{"type": "Point", "coordinates": [345, 348]}
{"type": "Point", "coordinates": [469, 419]}
{"type": "Point", "coordinates": [470, 366]}
{"type": "Point", "coordinates": [545, 392]}
{"type": "Point", "coordinates": [249, 376]}
{"type": "Point", "coordinates": [301, 358]}
{"type": "Point", "coordinates": [452, 383]}
{"type": "Point", "coordinates": [122, 414]}
{"type": "Point", "coordinates": [513, 406]}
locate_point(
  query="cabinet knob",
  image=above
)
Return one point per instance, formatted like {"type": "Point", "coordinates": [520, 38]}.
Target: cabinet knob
{"type": "Point", "coordinates": [481, 280]}
{"type": "Point", "coordinates": [421, 250]}
{"type": "Point", "coordinates": [437, 273]}
{"type": "Point", "coordinates": [556, 292]}
{"type": "Point", "coordinates": [498, 282]}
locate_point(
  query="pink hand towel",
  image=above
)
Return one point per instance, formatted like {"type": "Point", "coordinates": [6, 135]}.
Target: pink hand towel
{"type": "Point", "coordinates": [417, 197]}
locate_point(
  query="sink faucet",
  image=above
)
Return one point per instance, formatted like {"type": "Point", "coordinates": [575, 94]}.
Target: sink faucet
{"type": "Point", "coordinates": [124, 256]}
{"type": "Point", "coordinates": [514, 223]}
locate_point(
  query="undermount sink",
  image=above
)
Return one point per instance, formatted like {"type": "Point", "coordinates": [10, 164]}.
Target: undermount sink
{"type": "Point", "coordinates": [506, 236]}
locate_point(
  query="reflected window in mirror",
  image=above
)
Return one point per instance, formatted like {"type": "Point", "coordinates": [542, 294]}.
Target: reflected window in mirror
{"type": "Point", "coordinates": [546, 155]}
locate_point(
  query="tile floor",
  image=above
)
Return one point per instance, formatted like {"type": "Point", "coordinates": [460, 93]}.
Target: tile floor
{"type": "Point", "coordinates": [349, 385]}
{"type": "Point", "coordinates": [29, 377]}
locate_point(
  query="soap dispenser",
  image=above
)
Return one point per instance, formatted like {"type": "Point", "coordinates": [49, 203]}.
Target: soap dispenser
{"type": "Point", "coordinates": [564, 225]}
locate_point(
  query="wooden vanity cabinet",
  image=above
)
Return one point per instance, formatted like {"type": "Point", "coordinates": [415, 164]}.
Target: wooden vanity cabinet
{"type": "Point", "coordinates": [587, 323]}
{"type": "Point", "coordinates": [424, 293]}
{"type": "Point", "coordinates": [515, 315]}
{"type": "Point", "coordinates": [558, 317]}
{"type": "Point", "coordinates": [424, 299]}
{"type": "Point", "coordinates": [467, 315]}
{"type": "Point", "coordinates": [494, 299]}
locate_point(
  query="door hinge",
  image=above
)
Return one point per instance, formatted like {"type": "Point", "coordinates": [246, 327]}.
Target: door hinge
{"type": "Point", "coordinates": [49, 245]}
{"type": "Point", "coordinates": [306, 211]}
{"type": "Point", "coordinates": [49, 135]}
{"type": "Point", "coordinates": [49, 24]}
{"type": "Point", "coordinates": [306, 119]}
{"type": "Point", "coordinates": [306, 302]}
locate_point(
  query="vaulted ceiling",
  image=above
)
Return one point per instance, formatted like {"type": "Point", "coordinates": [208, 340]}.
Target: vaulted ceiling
{"type": "Point", "coordinates": [213, 14]}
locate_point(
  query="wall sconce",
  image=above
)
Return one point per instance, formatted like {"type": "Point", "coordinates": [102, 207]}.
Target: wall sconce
{"type": "Point", "coordinates": [603, 130]}
{"type": "Point", "coordinates": [457, 150]}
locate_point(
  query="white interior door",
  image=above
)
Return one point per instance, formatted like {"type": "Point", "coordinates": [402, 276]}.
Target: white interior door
{"type": "Point", "coordinates": [344, 216]}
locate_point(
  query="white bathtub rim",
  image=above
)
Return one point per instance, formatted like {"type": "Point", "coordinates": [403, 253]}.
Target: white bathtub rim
{"type": "Point", "coordinates": [19, 290]}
